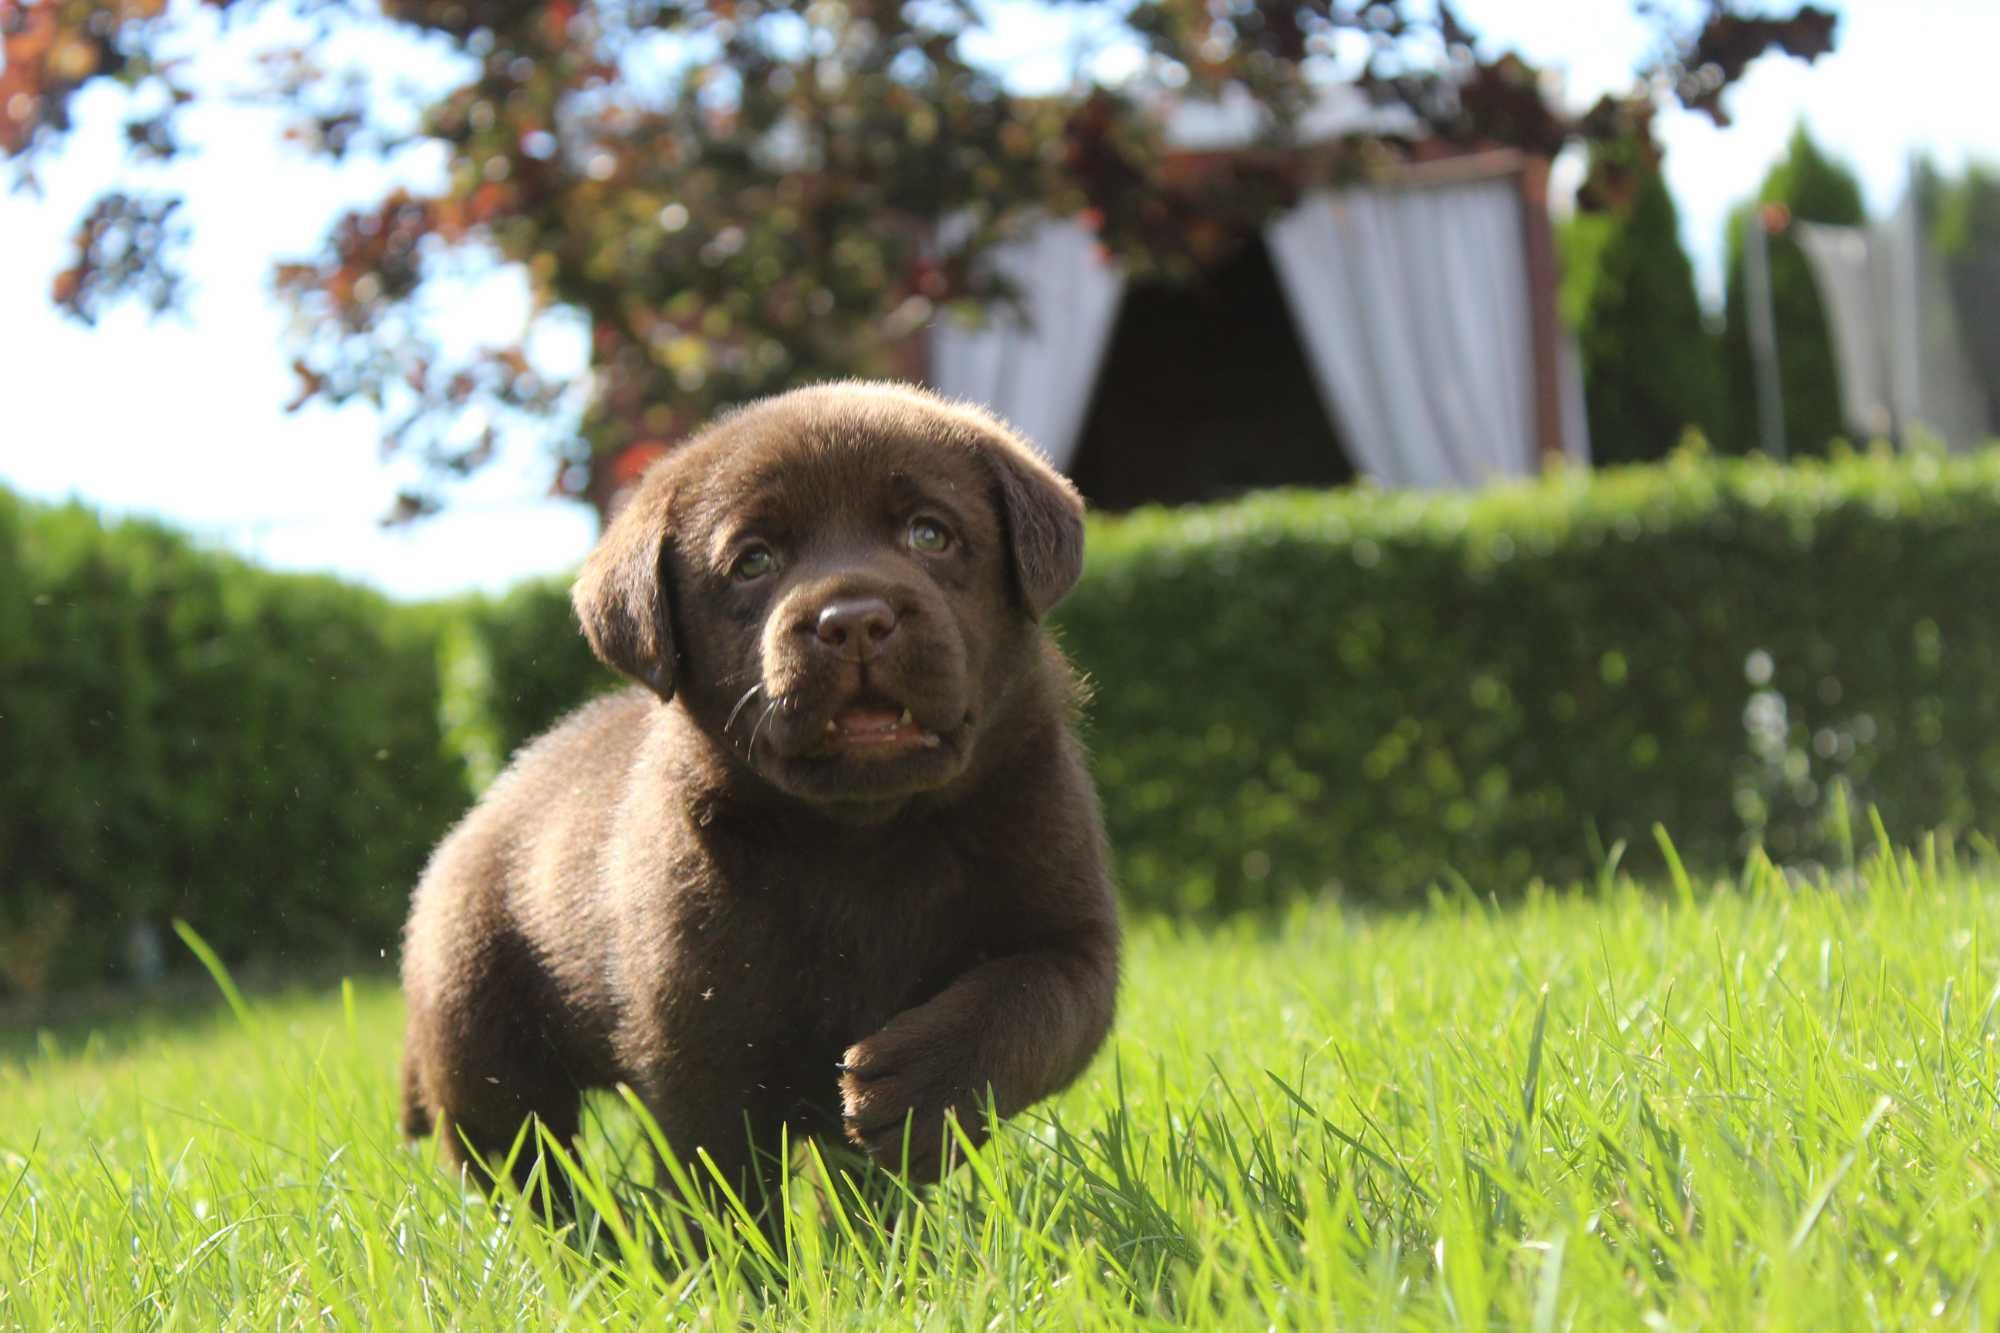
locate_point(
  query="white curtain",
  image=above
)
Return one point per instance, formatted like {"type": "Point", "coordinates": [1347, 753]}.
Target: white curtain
{"type": "Point", "coordinates": [1037, 371]}
{"type": "Point", "coordinates": [1905, 359]}
{"type": "Point", "coordinates": [1856, 286]}
{"type": "Point", "coordinates": [1412, 305]}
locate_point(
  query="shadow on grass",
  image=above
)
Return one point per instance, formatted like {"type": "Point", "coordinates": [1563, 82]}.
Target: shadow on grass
{"type": "Point", "coordinates": [113, 1019]}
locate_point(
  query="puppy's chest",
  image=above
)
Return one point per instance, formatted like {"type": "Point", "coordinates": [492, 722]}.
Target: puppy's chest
{"type": "Point", "coordinates": [826, 947]}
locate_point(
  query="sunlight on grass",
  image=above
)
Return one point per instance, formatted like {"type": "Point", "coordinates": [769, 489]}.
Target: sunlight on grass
{"type": "Point", "coordinates": [1750, 1104]}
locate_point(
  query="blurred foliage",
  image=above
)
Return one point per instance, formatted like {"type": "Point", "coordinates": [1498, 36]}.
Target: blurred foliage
{"type": "Point", "coordinates": [518, 662]}
{"type": "Point", "coordinates": [1807, 186]}
{"type": "Point", "coordinates": [740, 195]}
{"type": "Point", "coordinates": [1651, 368]}
{"type": "Point", "coordinates": [1298, 693]}
{"type": "Point", "coordinates": [183, 734]}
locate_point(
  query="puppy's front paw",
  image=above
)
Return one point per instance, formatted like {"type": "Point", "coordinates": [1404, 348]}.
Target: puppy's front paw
{"type": "Point", "coordinates": [912, 1078]}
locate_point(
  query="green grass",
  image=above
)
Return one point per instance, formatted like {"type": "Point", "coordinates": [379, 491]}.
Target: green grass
{"type": "Point", "coordinates": [1759, 1104]}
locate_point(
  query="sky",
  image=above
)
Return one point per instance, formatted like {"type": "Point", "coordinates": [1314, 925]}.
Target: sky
{"type": "Point", "coordinates": [182, 417]}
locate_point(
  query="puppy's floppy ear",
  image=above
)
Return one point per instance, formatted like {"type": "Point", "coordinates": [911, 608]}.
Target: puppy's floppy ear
{"type": "Point", "coordinates": [1044, 517]}
{"type": "Point", "coordinates": [620, 595]}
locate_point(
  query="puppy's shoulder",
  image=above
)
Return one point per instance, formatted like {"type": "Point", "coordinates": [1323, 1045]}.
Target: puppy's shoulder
{"type": "Point", "coordinates": [592, 746]}
{"type": "Point", "coordinates": [559, 788]}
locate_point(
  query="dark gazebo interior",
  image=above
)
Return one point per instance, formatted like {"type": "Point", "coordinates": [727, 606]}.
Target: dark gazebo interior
{"type": "Point", "coordinates": [1205, 393]}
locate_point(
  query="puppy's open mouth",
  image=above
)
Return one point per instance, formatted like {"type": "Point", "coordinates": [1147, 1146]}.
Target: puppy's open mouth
{"type": "Point", "coordinates": [872, 728]}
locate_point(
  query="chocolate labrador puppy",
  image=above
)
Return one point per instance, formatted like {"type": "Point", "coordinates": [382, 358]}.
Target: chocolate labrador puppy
{"type": "Point", "coordinates": [838, 866]}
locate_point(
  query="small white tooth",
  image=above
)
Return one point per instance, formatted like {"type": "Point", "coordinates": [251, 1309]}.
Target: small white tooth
{"type": "Point", "coordinates": [830, 728]}
{"type": "Point", "coordinates": [931, 740]}
{"type": "Point", "coordinates": [905, 719]}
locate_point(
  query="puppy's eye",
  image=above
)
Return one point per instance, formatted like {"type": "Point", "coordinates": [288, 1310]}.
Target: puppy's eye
{"type": "Point", "coordinates": [929, 536]}
{"type": "Point", "coordinates": [754, 563]}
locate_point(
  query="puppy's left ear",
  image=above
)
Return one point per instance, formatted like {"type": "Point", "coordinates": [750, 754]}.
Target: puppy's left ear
{"type": "Point", "coordinates": [1044, 517]}
{"type": "Point", "coordinates": [620, 595]}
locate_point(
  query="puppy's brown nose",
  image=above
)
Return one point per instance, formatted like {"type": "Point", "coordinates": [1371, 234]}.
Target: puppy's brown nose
{"type": "Point", "coordinates": [855, 627]}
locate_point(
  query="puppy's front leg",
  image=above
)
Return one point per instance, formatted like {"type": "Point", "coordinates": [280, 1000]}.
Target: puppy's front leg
{"type": "Point", "coordinates": [1022, 1026]}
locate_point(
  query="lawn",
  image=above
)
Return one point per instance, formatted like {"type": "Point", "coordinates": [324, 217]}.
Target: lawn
{"type": "Point", "coordinates": [1760, 1103]}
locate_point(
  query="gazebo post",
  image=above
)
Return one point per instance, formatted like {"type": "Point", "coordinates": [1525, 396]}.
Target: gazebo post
{"type": "Point", "coordinates": [1544, 321]}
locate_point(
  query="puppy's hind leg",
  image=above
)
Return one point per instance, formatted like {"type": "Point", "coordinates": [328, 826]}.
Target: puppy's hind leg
{"type": "Point", "coordinates": [416, 1120]}
{"type": "Point", "coordinates": [479, 1067]}
{"type": "Point", "coordinates": [488, 1128]}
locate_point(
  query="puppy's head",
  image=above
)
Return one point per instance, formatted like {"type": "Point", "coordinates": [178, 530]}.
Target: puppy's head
{"type": "Point", "coordinates": [842, 585]}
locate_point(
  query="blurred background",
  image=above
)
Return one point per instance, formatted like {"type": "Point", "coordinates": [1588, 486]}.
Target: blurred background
{"type": "Point", "coordinates": [1555, 420]}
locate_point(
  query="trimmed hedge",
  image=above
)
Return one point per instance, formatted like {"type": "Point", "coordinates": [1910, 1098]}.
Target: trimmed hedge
{"type": "Point", "coordinates": [1296, 693]}
{"type": "Point", "coordinates": [183, 734]}
{"type": "Point", "coordinates": [1376, 691]}
{"type": "Point", "coordinates": [513, 664]}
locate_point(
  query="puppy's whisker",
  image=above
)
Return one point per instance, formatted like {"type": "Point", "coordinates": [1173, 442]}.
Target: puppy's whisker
{"type": "Point", "coordinates": [771, 708]}
{"type": "Point", "coordinates": [737, 711]}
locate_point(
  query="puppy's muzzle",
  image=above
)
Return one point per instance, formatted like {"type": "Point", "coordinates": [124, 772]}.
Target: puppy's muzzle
{"type": "Point", "coordinates": [855, 629]}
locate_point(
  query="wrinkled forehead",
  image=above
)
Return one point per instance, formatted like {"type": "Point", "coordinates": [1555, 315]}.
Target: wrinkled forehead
{"type": "Point", "coordinates": [795, 472]}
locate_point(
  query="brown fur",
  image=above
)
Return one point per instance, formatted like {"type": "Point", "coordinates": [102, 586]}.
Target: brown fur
{"type": "Point", "coordinates": [683, 889]}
